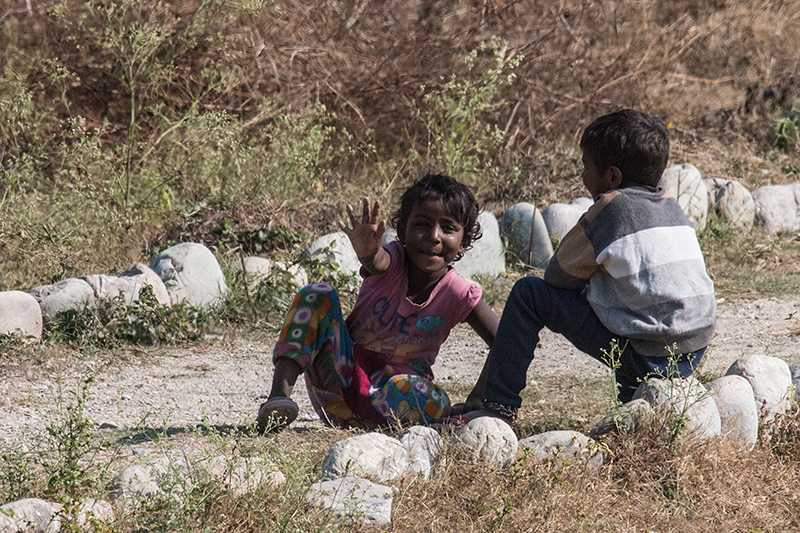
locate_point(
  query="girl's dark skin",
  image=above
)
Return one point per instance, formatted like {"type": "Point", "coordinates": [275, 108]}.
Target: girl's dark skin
{"type": "Point", "coordinates": [433, 239]}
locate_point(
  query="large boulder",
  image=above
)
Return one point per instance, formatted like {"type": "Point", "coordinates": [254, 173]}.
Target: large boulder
{"type": "Point", "coordinates": [191, 274]}
{"type": "Point", "coordinates": [490, 440]}
{"type": "Point", "coordinates": [486, 257]}
{"type": "Point", "coordinates": [560, 218]}
{"type": "Point", "coordinates": [687, 401]}
{"type": "Point", "coordinates": [771, 380]}
{"type": "Point", "coordinates": [737, 409]}
{"type": "Point", "coordinates": [66, 295]}
{"type": "Point", "coordinates": [20, 314]}
{"type": "Point", "coordinates": [528, 240]}
{"type": "Point", "coordinates": [777, 208]}
{"type": "Point", "coordinates": [685, 183]}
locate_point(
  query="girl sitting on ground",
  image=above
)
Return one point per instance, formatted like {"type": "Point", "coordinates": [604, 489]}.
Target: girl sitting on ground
{"type": "Point", "coordinates": [374, 369]}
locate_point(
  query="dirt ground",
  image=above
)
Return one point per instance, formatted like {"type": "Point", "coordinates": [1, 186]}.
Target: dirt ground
{"type": "Point", "coordinates": [222, 382]}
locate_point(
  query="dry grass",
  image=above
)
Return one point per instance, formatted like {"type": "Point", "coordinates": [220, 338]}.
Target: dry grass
{"type": "Point", "coordinates": [718, 72]}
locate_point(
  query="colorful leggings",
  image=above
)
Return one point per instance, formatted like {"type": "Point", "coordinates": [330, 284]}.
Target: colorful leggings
{"type": "Point", "coordinates": [314, 335]}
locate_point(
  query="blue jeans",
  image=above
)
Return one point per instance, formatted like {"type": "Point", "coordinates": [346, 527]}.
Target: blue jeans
{"type": "Point", "coordinates": [532, 305]}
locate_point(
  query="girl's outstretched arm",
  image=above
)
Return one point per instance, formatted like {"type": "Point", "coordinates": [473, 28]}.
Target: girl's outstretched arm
{"type": "Point", "coordinates": [366, 236]}
{"type": "Point", "coordinates": [484, 321]}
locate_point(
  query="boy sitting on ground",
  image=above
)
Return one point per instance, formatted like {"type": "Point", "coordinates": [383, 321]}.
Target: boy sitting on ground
{"type": "Point", "coordinates": [630, 273]}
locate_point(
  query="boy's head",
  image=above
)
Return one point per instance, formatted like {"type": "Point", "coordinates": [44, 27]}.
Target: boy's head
{"type": "Point", "coordinates": [456, 198]}
{"type": "Point", "coordinates": [636, 143]}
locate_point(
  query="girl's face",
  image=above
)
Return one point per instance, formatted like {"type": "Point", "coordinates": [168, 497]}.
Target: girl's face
{"type": "Point", "coordinates": [433, 238]}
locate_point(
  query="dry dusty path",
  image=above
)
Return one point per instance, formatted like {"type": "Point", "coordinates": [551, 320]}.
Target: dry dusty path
{"type": "Point", "coordinates": [222, 382]}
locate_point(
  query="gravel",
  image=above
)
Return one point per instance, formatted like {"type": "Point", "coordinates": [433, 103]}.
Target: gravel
{"type": "Point", "coordinates": [222, 382]}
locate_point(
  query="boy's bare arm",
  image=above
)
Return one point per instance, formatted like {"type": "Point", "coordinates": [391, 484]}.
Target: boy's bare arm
{"type": "Point", "coordinates": [366, 237]}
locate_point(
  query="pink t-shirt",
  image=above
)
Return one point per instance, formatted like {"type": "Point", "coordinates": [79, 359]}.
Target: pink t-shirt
{"type": "Point", "coordinates": [385, 321]}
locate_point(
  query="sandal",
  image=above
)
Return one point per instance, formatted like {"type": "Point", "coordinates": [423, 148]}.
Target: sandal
{"type": "Point", "coordinates": [275, 414]}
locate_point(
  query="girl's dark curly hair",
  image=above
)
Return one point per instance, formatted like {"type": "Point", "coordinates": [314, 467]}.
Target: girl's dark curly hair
{"type": "Point", "coordinates": [458, 201]}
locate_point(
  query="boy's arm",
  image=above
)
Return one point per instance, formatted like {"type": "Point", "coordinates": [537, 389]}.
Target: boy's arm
{"type": "Point", "coordinates": [574, 261]}
{"type": "Point", "coordinates": [366, 237]}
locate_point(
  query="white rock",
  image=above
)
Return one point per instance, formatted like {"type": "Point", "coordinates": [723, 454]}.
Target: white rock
{"type": "Point", "coordinates": [795, 370]}
{"type": "Point", "coordinates": [390, 235]}
{"type": "Point", "coordinates": [778, 208]}
{"type": "Point", "coordinates": [737, 409]}
{"type": "Point", "coordinates": [335, 247]}
{"type": "Point", "coordinates": [191, 274]}
{"type": "Point", "coordinates": [565, 447]}
{"type": "Point", "coordinates": [628, 418]}
{"type": "Point", "coordinates": [490, 440]}
{"type": "Point", "coordinates": [356, 500]}
{"type": "Point", "coordinates": [135, 485]}
{"type": "Point", "coordinates": [486, 257]}
{"type": "Point", "coordinates": [30, 515]}
{"type": "Point", "coordinates": [685, 183]}
{"type": "Point", "coordinates": [736, 205]}
{"type": "Point", "coordinates": [142, 275]}
{"type": "Point", "coordinates": [712, 186]}
{"type": "Point", "coordinates": [242, 474]}
{"type": "Point", "coordinates": [684, 397]}
{"type": "Point", "coordinates": [260, 268]}
{"type": "Point", "coordinates": [524, 228]}
{"type": "Point", "coordinates": [91, 515]}
{"type": "Point", "coordinates": [771, 380]}
{"type": "Point", "coordinates": [20, 314]}
{"type": "Point", "coordinates": [560, 218]}
{"type": "Point", "coordinates": [373, 455]}
{"type": "Point", "coordinates": [63, 296]}
{"type": "Point", "coordinates": [424, 446]}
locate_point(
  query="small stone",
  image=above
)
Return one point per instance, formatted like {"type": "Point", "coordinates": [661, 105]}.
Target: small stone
{"type": "Point", "coordinates": [357, 500]}
{"type": "Point", "coordinates": [565, 448]}
{"type": "Point", "coordinates": [685, 183]}
{"type": "Point", "coordinates": [771, 380]}
{"type": "Point", "coordinates": [487, 255]}
{"type": "Point", "coordinates": [737, 409]}
{"type": "Point", "coordinates": [490, 440]}
{"type": "Point", "coordinates": [373, 455]}
{"type": "Point", "coordinates": [524, 228]}
{"type": "Point", "coordinates": [629, 418]}
{"type": "Point", "coordinates": [684, 398]}
{"type": "Point", "coordinates": [29, 515]}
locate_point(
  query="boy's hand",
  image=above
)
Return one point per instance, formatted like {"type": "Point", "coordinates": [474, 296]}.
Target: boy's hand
{"type": "Point", "coordinates": [366, 235]}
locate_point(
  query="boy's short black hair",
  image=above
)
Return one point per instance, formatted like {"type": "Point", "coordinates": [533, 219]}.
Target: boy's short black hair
{"type": "Point", "coordinates": [458, 200]}
{"type": "Point", "coordinates": [634, 142]}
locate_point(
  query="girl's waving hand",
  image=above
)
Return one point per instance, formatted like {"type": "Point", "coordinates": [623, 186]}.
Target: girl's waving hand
{"type": "Point", "coordinates": [366, 236]}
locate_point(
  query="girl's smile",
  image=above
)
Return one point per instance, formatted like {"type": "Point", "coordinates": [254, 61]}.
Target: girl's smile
{"type": "Point", "coordinates": [433, 239]}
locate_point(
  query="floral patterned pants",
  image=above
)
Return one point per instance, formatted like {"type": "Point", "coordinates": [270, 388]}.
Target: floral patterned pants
{"type": "Point", "coordinates": [340, 386]}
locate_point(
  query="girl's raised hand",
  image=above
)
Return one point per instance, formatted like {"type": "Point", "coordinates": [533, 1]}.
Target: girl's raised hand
{"type": "Point", "coordinates": [365, 235]}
